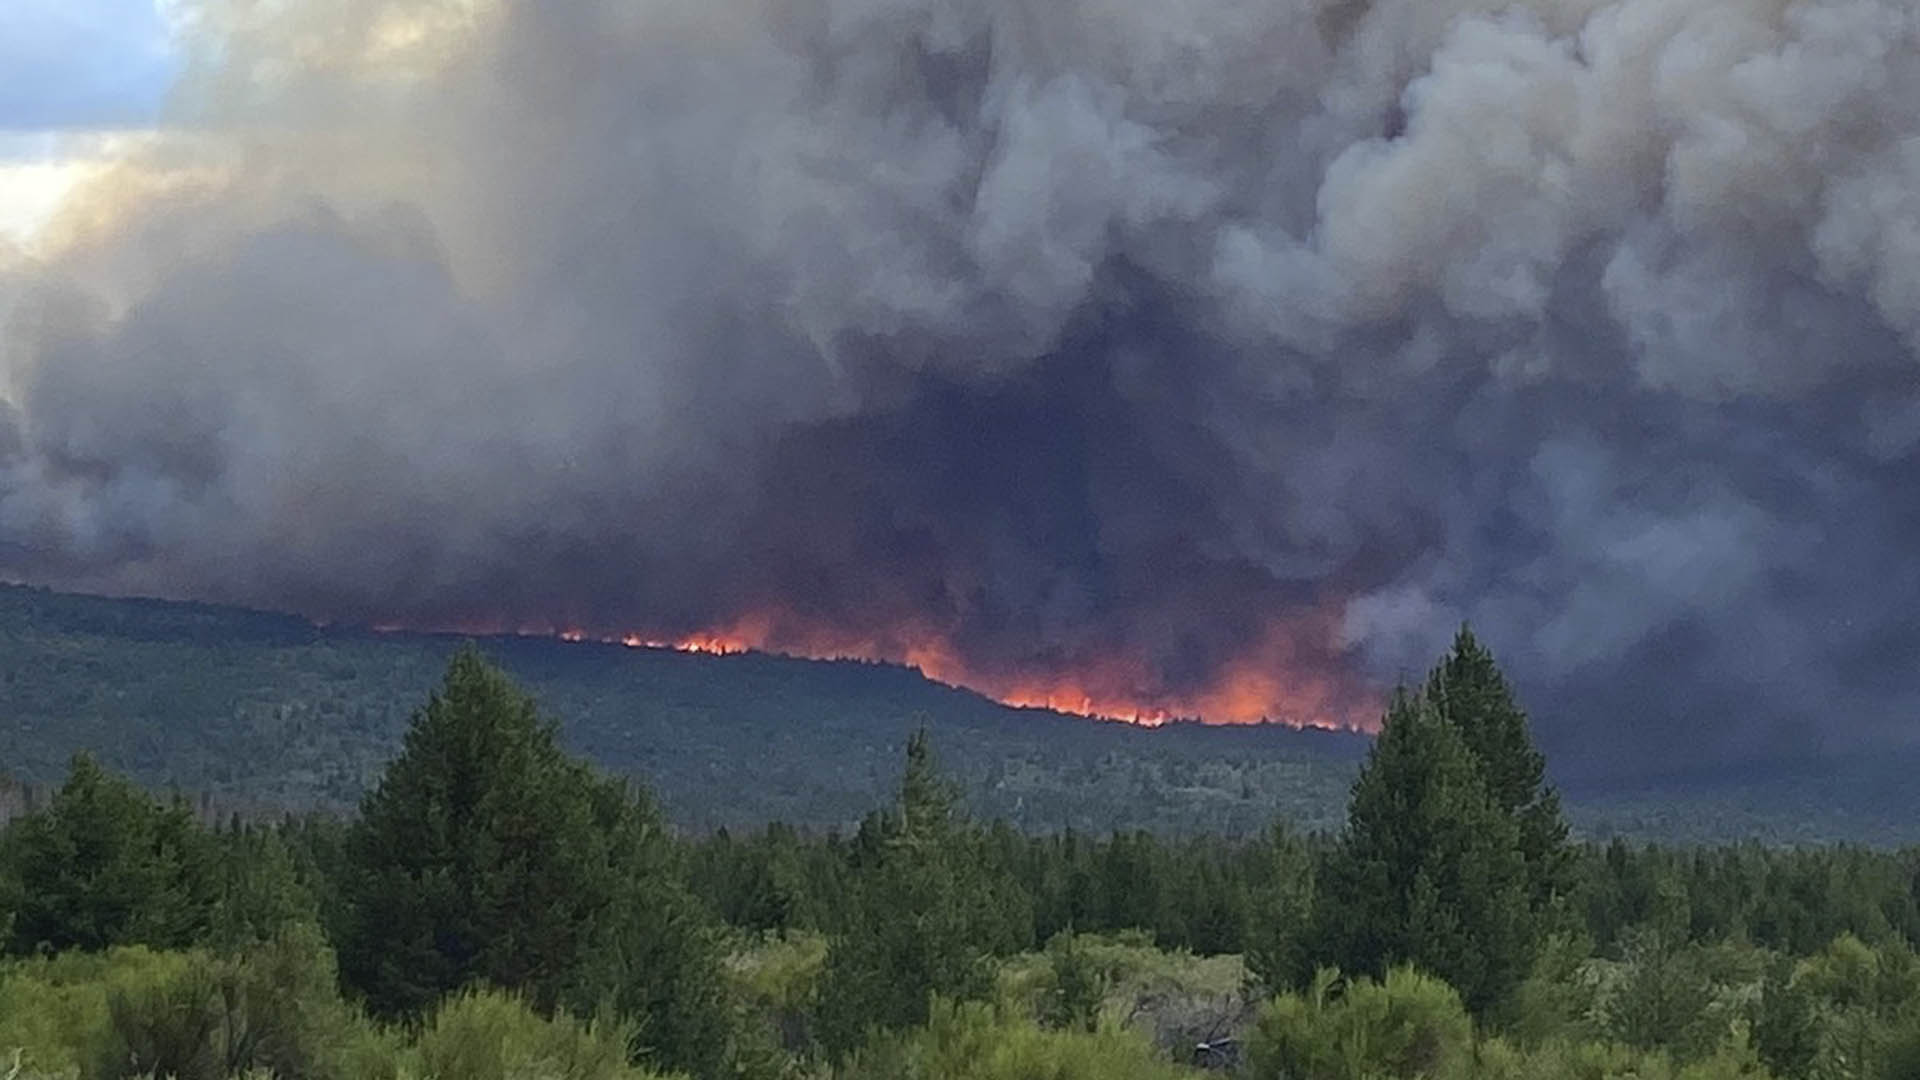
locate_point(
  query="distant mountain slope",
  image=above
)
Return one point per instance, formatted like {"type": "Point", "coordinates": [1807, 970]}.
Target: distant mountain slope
{"type": "Point", "coordinates": [264, 712]}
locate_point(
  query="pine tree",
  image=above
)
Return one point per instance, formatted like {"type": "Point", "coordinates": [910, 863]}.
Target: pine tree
{"type": "Point", "coordinates": [1468, 691]}
{"type": "Point", "coordinates": [261, 893]}
{"type": "Point", "coordinates": [653, 954]}
{"type": "Point", "coordinates": [105, 865]}
{"type": "Point", "coordinates": [1279, 924]}
{"type": "Point", "coordinates": [487, 855]}
{"type": "Point", "coordinates": [474, 858]}
{"type": "Point", "coordinates": [1428, 871]}
{"type": "Point", "coordinates": [925, 914]}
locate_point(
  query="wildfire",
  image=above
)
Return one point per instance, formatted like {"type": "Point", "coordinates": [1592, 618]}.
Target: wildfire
{"type": "Point", "coordinates": [1281, 676]}
{"type": "Point", "coordinates": [1267, 682]}
{"type": "Point", "coordinates": [711, 644]}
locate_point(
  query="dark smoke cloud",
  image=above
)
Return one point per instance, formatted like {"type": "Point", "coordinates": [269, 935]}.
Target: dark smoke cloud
{"type": "Point", "coordinates": [1067, 327]}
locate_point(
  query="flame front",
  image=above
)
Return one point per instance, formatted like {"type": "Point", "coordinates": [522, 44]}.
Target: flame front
{"type": "Point", "coordinates": [1267, 681]}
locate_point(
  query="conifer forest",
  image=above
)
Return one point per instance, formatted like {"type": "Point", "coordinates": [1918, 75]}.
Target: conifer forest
{"type": "Point", "coordinates": [499, 908]}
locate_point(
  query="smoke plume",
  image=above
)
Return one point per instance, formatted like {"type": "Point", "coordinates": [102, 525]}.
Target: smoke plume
{"type": "Point", "coordinates": [1154, 346]}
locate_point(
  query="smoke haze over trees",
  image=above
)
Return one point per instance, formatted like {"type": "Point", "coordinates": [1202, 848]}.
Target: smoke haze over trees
{"type": "Point", "coordinates": [1069, 336]}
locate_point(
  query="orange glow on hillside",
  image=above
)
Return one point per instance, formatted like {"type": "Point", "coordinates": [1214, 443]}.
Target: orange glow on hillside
{"type": "Point", "coordinates": [1268, 681]}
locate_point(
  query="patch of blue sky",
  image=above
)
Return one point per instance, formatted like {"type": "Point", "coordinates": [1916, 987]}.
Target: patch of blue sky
{"type": "Point", "coordinates": [80, 65]}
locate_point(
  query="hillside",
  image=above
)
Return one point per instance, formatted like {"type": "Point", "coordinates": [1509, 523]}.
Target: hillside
{"type": "Point", "coordinates": [269, 711]}
{"type": "Point", "coordinates": [264, 712]}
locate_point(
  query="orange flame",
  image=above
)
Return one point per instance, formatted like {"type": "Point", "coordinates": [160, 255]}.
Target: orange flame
{"type": "Point", "coordinates": [1267, 682]}
{"type": "Point", "coordinates": [1284, 675]}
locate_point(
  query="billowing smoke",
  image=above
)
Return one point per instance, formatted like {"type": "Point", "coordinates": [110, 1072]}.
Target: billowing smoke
{"type": "Point", "coordinates": [1140, 342]}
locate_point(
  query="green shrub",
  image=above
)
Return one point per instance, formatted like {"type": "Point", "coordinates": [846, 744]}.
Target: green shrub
{"type": "Point", "coordinates": [1412, 1025]}
{"type": "Point", "coordinates": [1849, 973]}
{"type": "Point", "coordinates": [1686, 998]}
{"type": "Point", "coordinates": [1863, 1006]}
{"type": "Point", "coordinates": [776, 980]}
{"type": "Point", "coordinates": [1559, 1060]}
{"type": "Point", "coordinates": [191, 1015]}
{"type": "Point", "coordinates": [1495, 1059]}
{"type": "Point", "coordinates": [1140, 986]}
{"type": "Point", "coordinates": [490, 1035]}
{"type": "Point", "coordinates": [54, 1011]}
{"type": "Point", "coordinates": [1556, 1060]}
{"type": "Point", "coordinates": [273, 1007]}
{"type": "Point", "coordinates": [180, 1028]}
{"type": "Point", "coordinates": [975, 1041]}
{"type": "Point", "coordinates": [1900, 1054]}
{"type": "Point", "coordinates": [1078, 985]}
{"type": "Point", "coordinates": [1556, 1002]}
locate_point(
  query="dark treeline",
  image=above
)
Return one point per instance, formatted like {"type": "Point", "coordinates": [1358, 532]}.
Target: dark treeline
{"type": "Point", "coordinates": [1206, 894]}
{"type": "Point", "coordinates": [499, 908]}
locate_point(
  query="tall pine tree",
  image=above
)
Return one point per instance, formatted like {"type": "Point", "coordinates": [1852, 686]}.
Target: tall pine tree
{"type": "Point", "coordinates": [475, 859]}
{"type": "Point", "coordinates": [926, 913]}
{"type": "Point", "coordinates": [1429, 870]}
{"type": "Point", "coordinates": [1279, 923]}
{"type": "Point", "coordinates": [487, 855]}
{"type": "Point", "coordinates": [1468, 691]}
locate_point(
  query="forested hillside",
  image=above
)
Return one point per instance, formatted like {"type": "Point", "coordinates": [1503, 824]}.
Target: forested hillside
{"type": "Point", "coordinates": [268, 712]}
{"type": "Point", "coordinates": [262, 713]}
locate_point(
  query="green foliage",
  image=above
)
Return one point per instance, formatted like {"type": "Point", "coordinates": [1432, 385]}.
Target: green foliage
{"type": "Point", "coordinates": [652, 954]}
{"type": "Point", "coordinates": [273, 1011]}
{"type": "Point", "coordinates": [1794, 900]}
{"type": "Point", "coordinates": [1565, 1060]}
{"type": "Point", "coordinates": [105, 865]}
{"type": "Point", "coordinates": [1851, 974]}
{"type": "Point", "coordinates": [1078, 986]}
{"type": "Point", "coordinates": [1851, 1010]}
{"type": "Point", "coordinates": [761, 882]}
{"type": "Point", "coordinates": [1172, 997]}
{"type": "Point", "coordinates": [1409, 1026]}
{"type": "Point", "coordinates": [273, 1008]}
{"type": "Point", "coordinates": [1454, 857]}
{"type": "Point", "coordinates": [1786, 1027]}
{"type": "Point", "coordinates": [1556, 1000]}
{"type": "Point", "coordinates": [189, 1015]}
{"type": "Point", "coordinates": [777, 982]}
{"type": "Point", "coordinates": [970, 1041]}
{"type": "Point", "coordinates": [1280, 942]}
{"type": "Point", "coordinates": [476, 858]}
{"type": "Point", "coordinates": [489, 1035]}
{"type": "Point", "coordinates": [926, 912]}
{"type": "Point", "coordinates": [1429, 871]}
{"type": "Point", "coordinates": [261, 892]}
{"type": "Point", "coordinates": [1467, 690]}
{"type": "Point", "coordinates": [1899, 1058]}
{"type": "Point", "coordinates": [486, 855]}
{"type": "Point", "coordinates": [1686, 998]}
{"type": "Point", "coordinates": [54, 1010]}
{"type": "Point", "coordinates": [1413, 1027]}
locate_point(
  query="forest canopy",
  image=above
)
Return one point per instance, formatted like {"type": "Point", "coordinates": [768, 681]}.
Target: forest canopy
{"type": "Point", "coordinates": [498, 907]}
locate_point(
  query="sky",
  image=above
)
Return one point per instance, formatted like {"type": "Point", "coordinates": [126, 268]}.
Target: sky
{"type": "Point", "coordinates": [83, 64]}
{"type": "Point", "coordinates": [71, 73]}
